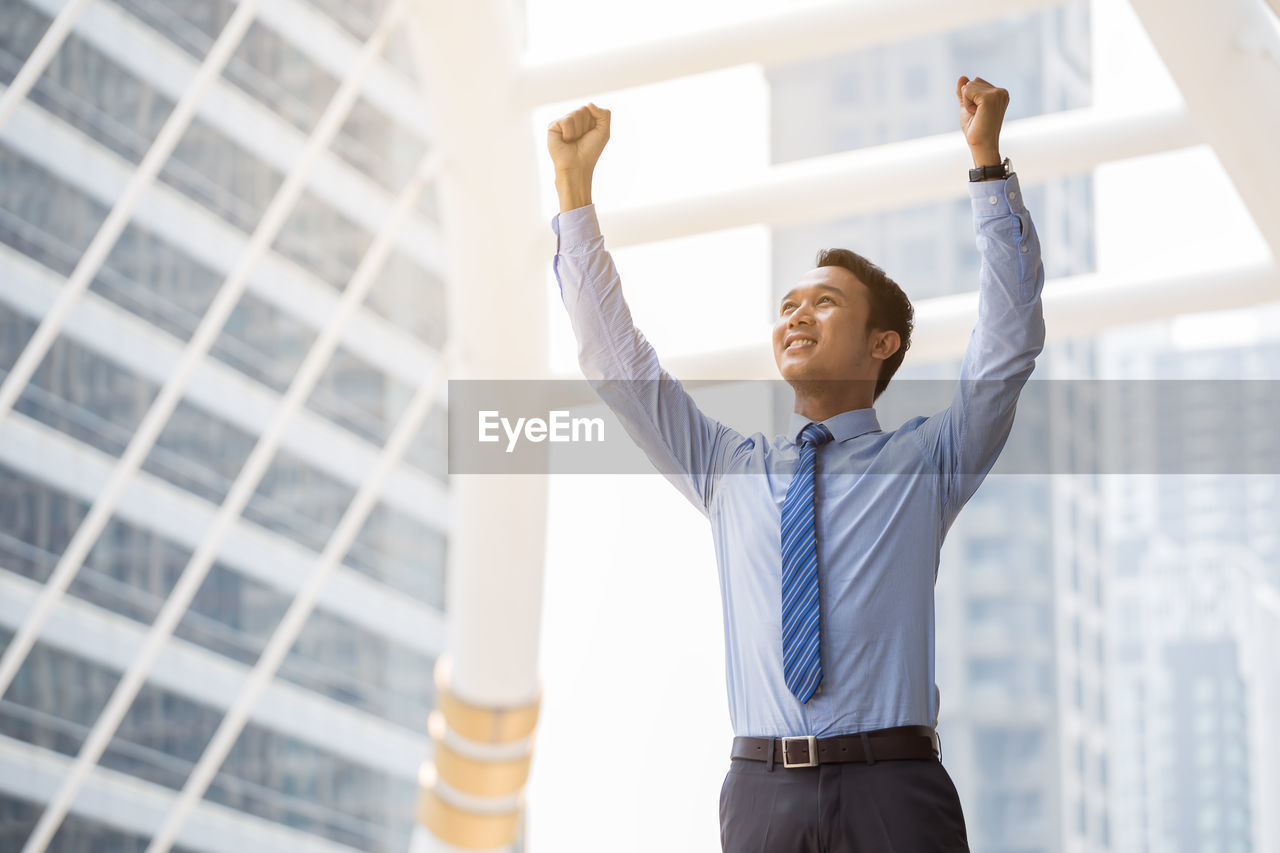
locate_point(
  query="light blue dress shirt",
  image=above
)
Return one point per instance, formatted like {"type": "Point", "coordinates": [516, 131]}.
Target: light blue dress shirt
{"type": "Point", "coordinates": [885, 500]}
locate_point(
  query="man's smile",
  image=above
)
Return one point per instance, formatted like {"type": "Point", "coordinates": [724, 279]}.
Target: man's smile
{"type": "Point", "coordinates": [797, 341]}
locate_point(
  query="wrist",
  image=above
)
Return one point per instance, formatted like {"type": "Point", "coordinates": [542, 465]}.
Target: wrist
{"type": "Point", "coordinates": [573, 189]}
{"type": "Point", "coordinates": [985, 157]}
{"type": "Point", "coordinates": [573, 199]}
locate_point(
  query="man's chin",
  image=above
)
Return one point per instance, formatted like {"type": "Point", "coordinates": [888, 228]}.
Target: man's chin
{"type": "Point", "coordinates": [793, 364]}
{"type": "Point", "coordinates": [799, 373]}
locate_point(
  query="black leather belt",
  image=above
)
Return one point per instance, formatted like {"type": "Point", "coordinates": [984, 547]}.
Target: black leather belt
{"type": "Point", "coordinates": [808, 751]}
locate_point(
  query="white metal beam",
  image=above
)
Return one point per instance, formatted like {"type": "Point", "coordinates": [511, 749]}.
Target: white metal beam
{"type": "Point", "coordinates": [1085, 305]}
{"type": "Point", "coordinates": [1225, 58]}
{"type": "Point", "coordinates": [900, 174]}
{"type": "Point", "coordinates": [791, 36]}
{"type": "Point", "coordinates": [1074, 307]}
{"type": "Point", "coordinates": [157, 416]}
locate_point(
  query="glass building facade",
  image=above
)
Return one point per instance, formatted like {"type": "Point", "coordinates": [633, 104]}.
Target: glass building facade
{"type": "Point", "coordinates": [329, 757]}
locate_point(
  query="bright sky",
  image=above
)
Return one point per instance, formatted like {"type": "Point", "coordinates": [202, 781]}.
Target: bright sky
{"type": "Point", "coordinates": [632, 650]}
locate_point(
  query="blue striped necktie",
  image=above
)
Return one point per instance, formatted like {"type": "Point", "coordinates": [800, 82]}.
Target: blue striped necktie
{"type": "Point", "coordinates": [801, 665]}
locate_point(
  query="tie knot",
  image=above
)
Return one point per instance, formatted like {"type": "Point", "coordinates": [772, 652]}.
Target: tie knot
{"type": "Point", "coordinates": [815, 434]}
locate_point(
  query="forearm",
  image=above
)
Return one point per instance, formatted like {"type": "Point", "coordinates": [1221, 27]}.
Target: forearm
{"type": "Point", "coordinates": [1010, 330]}
{"type": "Point", "coordinates": [573, 188]}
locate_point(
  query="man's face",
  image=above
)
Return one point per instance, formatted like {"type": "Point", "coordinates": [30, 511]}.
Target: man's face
{"type": "Point", "coordinates": [821, 330]}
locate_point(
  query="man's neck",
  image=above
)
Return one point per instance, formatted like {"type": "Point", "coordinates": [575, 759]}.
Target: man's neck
{"type": "Point", "coordinates": [827, 399]}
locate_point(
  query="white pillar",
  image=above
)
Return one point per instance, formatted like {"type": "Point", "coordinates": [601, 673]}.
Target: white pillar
{"type": "Point", "coordinates": [498, 248]}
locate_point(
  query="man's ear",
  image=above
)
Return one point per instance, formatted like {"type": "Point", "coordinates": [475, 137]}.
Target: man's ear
{"type": "Point", "coordinates": [884, 343]}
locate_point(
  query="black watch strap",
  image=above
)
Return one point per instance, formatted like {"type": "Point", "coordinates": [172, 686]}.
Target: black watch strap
{"type": "Point", "coordinates": [986, 173]}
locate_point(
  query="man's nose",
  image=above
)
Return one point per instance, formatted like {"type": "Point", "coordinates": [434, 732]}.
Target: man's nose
{"type": "Point", "coordinates": [799, 315]}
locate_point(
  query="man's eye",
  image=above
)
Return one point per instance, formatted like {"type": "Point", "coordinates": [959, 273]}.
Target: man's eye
{"type": "Point", "coordinates": [828, 298]}
{"type": "Point", "coordinates": [787, 305]}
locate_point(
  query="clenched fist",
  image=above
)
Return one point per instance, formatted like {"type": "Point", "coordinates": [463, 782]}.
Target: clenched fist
{"type": "Point", "coordinates": [982, 109]}
{"type": "Point", "coordinates": [576, 139]}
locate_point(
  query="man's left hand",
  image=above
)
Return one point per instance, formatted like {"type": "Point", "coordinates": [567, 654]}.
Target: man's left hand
{"type": "Point", "coordinates": [982, 109]}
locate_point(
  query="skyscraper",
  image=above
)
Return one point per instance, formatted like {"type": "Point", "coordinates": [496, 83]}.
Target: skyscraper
{"type": "Point", "coordinates": [329, 756]}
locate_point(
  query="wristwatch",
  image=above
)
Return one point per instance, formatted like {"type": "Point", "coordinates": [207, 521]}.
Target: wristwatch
{"type": "Point", "coordinates": [986, 173]}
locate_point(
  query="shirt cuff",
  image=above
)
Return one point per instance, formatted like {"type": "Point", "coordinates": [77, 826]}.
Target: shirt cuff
{"type": "Point", "coordinates": [996, 198]}
{"type": "Point", "coordinates": [575, 227]}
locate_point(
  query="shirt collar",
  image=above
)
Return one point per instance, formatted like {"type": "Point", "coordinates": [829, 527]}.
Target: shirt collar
{"type": "Point", "coordinates": [843, 426]}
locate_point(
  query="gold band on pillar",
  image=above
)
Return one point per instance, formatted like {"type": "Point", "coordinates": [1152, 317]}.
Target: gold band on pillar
{"type": "Point", "coordinates": [478, 777]}
{"type": "Point", "coordinates": [481, 764]}
{"type": "Point", "coordinates": [481, 724]}
{"type": "Point", "coordinates": [464, 828]}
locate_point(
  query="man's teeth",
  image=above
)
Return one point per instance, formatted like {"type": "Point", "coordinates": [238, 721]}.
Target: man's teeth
{"type": "Point", "coordinates": [800, 343]}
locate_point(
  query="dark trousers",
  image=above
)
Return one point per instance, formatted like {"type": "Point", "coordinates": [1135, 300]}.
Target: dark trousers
{"type": "Point", "coordinates": [902, 806]}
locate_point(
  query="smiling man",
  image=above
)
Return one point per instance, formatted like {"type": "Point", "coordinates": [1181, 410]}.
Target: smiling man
{"type": "Point", "coordinates": [827, 539]}
{"type": "Point", "coordinates": [841, 353]}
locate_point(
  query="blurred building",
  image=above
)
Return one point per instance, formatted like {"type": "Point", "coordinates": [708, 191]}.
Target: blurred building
{"type": "Point", "coordinates": [1196, 590]}
{"type": "Point", "coordinates": [1194, 692]}
{"type": "Point", "coordinates": [329, 758]}
{"type": "Point", "coordinates": [1178, 416]}
{"type": "Point", "coordinates": [1020, 593]}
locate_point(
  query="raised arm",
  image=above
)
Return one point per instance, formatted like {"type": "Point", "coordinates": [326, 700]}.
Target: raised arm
{"type": "Point", "coordinates": [687, 447]}
{"type": "Point", "coordinates": [967, 437]}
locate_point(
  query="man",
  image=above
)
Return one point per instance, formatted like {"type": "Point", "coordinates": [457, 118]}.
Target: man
{"type": "Point", "coordinates": [827, 566]}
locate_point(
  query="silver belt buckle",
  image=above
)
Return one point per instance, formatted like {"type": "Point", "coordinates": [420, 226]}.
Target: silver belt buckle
{"type": "Point", "coordinates": [813, 751]}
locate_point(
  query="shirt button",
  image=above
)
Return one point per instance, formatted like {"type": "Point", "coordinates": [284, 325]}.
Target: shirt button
{"type": "Point", "coordinates": [1013, 195]}
{"type": "Point", "coordinates": [993, 199]}
{"type": "Point", "coordinates": [1024, 248]}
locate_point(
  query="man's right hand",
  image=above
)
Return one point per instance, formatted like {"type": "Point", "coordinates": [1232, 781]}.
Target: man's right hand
{"type": "Point", "coordinates": [575, 141]}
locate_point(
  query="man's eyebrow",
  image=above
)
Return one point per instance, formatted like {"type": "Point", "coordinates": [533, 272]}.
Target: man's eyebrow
{"type": "Point", "coordinates": [831, 287]}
